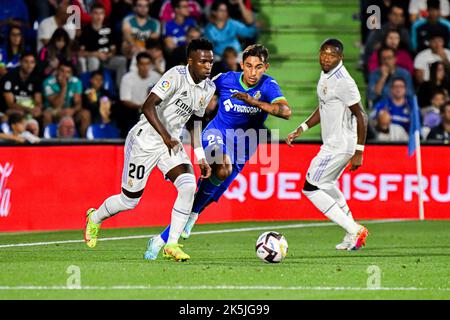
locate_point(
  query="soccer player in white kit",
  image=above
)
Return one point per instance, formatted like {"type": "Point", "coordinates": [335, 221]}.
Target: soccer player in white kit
{"type": "Point", "coordinates": [182, 92]}
{"type": "Point", "coordinates": [343, 127]}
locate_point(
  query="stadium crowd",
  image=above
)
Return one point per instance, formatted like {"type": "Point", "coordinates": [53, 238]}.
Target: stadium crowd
{"type": "Point", "coordinates": [60, 80]}
{"type": "Point", "coordinates": [405, 55]}
{"type": "Point", "coordinates": [85, 73]}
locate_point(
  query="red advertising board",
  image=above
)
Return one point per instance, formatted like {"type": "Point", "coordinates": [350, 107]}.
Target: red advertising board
{"type": "Point", "coordinates": [50, 188]}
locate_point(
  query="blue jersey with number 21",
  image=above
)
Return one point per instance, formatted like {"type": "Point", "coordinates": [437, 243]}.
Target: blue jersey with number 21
{"type": "Point", "coordinates": [237, 117]}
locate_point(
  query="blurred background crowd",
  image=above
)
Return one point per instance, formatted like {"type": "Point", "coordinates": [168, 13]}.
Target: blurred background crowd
{"type": "Point", "coordinates": [58, 80]}
{"type": "Point", "coordinates": [405, 54]}
{"type": "Point", "coordinates": [63, 77]}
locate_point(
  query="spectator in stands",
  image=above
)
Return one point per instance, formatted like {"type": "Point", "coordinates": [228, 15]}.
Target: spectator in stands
{"type": "Point", "coordinates": [229, 62]}
{"type": "Point", "coordinates": [62, 93]}
{"type": "Point", "coordinates": [442, 132]}
{"type": "Point", "coordinates": [381, 80]}
{"type": "Point", "coordinates": [21, 89]}
{"type": "Point", "coordinates": [419, 9]}
{"type": "Point", "coordinates": [57, 49]}
{"type": "Point", "coordinates": [12, 13]}
{"type": "Point", "coordinates": [17, 123]}
{"type": "Point", "coordinates": [134, 89]}
{"type": "Point", "coordinates": [155, 49]}
{"type": "Point", "coordinates": [431, 114]}
{"type": "Point", "coordinates": [427, 57]}
{"type": "Point", "coordinates": [92, 95]}
{"type": "Point", "coordinates": [397, 104]}
{"type": "Point", "coordinates": [66, 128]}
{"type": "Point", "coordinates": [433, 24]}
{"type": "Point", "coordinates": [104, 128]}
{"type": "Point", "coordinates": [388, 131]}
{"type": "Point", "coordinates": [97, 48]}
{"type": "Point", "coordinates": [138, 28]}
{"type": "Point", "coordinates": [241, 11]}
{"type": "Point", "coordinates": [167, 12]}
{"type": "Point", "coordinates": [396, 21]}
{"type": "Point", "coordinates": [439, 81]}
{"type": "Point", "coordinates": [49, 25]}
{"type": "Point", "coordinates": [223, 32]}
{"type": "Point", "coordinates": [86, 7]}
{"type": "Point", "coordinates": [11, 52]}
{"type": "Point", "coordinates": [32, 126]}
{"type": "Point", "coordinates": [403, 57]}
{"type": "Point", "coordinates": [178, 55]}
{"type": "Point", "coordinates": [175, 30]}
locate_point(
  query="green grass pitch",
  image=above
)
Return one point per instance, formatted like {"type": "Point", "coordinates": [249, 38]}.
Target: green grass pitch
{"type": "Point", "coordinates": [413, 259]}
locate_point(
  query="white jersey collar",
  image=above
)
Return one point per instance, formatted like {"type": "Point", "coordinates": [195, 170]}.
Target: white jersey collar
{"type": "Point", "coordinates": [191, 81]}
{"type": "Point", "coordinates": [336, 69]}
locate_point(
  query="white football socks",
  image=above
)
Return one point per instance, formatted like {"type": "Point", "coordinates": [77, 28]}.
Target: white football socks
{"type": "Point", "coordinates": [339, 197]}
{"type": "Point", "coordinates": [329, 207]}
{"type": "Point", "coordinates": [186, 186]}
{"type": "Point", "coordinates": [112, 206]}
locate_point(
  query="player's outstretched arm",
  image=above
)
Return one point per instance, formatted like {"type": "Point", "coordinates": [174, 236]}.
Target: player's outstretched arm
{"type": "Point", "coordinates": [313, 120]}
{"type": "Point", "coordinates": [361, 120]}
{"type": "Point", "coordinates": [194, 125]}
{"type": "Point", "coordinates": [278, 109]}
{"type": "Point", "coordinates": [149, 110]}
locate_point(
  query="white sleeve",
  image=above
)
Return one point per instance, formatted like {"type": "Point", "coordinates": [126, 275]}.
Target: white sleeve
{"type": "Point", "coordinates": [43, 30]}
{"type": "Point", "coordinates": [125, 89]}
{"type": "Point", "coordinates": [445, 8]}
{"type": "Point", "coordinates": [168, 84]}
{"type": "Point", "coordinates": [348, 92]}
{"type": "Point", "coordinates": [420, 61]}
{"type": "Point", "coordinates": [414, 7]}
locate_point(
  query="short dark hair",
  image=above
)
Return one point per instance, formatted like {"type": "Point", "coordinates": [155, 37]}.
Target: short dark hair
{"type": "Point", "coordinates": [230, 50]}
{"type": "Point", "coordinates": [143, 55]}
{"type": "Point", "coordinates": [66, 63]}
{"type": "Point", "coordinates": [176, 3]}
{"type": "Point", "coordinates": [381, 50]}
{"type": "Point", "coordinates": [399, 79]}
{"type": "Point", "coordinates": [97, 5]}
{"type": "Point", "coordinates": [27, 54]}
{"type": "Point", "coordinates": [216, 4]}
{"type": "Point", "coordinates": [331, 42]}
{"type": "Point", "coordinates": [199, 44]}
{"type": "Point", "coordinates": [256, 50]}
{"type": "Point", "coordinates": [153, 43]}
{"type": "Point", "coordinates": [97, 73]}
{"type": "Point", "coordinates": [15, 118]}
{"type": "Point", "coordinates": [434, 4]}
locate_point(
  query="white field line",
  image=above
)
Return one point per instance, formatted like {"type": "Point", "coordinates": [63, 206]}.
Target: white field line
{"type": "Point", "coordinates": [218, 287]}
{"type": "Point", "coordinates": [274, 227]}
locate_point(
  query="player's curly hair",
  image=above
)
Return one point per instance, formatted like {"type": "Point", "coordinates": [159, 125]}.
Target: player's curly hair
{"type": "Point", "coordinates": [199, 44]}
{"type": "Point", "coordinates": [333, 43]}
{"type": "Point", "coordinates": [256, 50]}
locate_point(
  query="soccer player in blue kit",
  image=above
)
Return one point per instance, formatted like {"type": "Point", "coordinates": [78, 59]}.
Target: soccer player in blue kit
{"type": "Point", "coordinates": [246, 100]}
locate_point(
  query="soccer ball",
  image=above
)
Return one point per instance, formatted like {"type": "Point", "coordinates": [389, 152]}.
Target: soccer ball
{"type": "Point", "coordinates": [271, 247]}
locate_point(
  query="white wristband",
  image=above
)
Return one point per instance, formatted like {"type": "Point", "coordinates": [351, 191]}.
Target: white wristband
{"type": "Point", "coordinates": [304, 126]}
{"type": "Point", "coordinates": [359, 147]}
{"type": "Point", "coordinates": [200, 153]}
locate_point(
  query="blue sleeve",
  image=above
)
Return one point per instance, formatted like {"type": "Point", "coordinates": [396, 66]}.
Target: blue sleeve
{"type": "Point", "coordinates": [414, 28]}
{"type": "Point", "coordinates": [373, 79]}
{"type": "Point", "coordinates": [242, 30]}
{"type": "Point", "coordinates": [273, 92]}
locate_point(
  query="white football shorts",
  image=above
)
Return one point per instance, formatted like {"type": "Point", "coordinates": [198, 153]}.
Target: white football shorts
{"type": "Point", "coordinates": [142, 153]}
{"type": "Point", "coordinates": [326, 168]}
